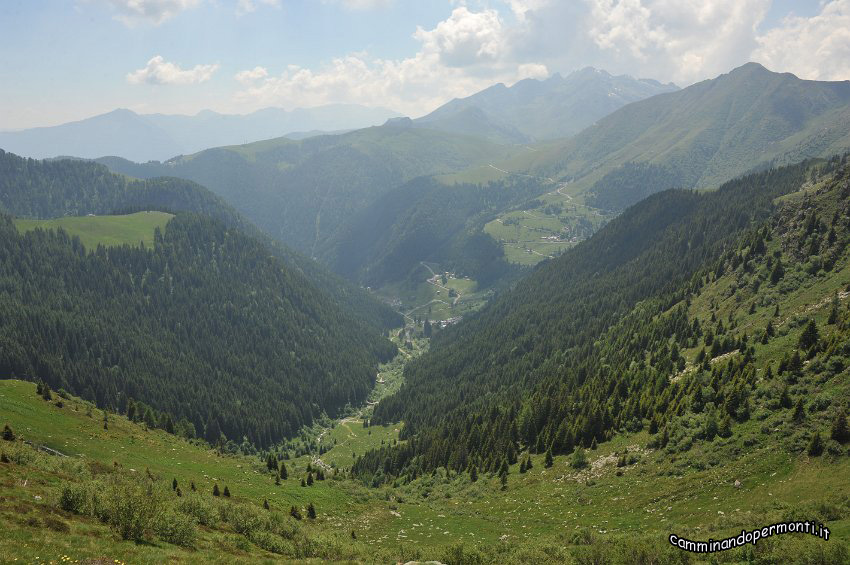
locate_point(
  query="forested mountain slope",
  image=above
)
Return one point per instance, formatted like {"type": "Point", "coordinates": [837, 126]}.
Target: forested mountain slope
{"type": "Point", "coordinates": [632, 327]}
{"type": "Point", "coordinates": [704, 135]}
{"type": "Point", "coordinates": [425, 220]}
{"type": "Point", "coordinates": [305, 192]}
{"type": "Point", "coordinates": [536, 110]}
{"type": "Point", "coordinates": [206, 326]}
{"type": "Point", "coordinates": [55, 188]}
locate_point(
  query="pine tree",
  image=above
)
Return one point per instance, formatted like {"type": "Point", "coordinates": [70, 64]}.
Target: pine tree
{"type": "Point", "coordinates": [579, 459]}
{"type": "Point", "coordinates": [284, 474]}
{"type": "Point", "coordinates": [192, 486]}
{"type": "Point", "coordinates": [784, 399]}
{"type": "Point", "coordinates": [810, 336]}
{"type": "Point", "coordinates": [174, 484]}
{"type": "Point", "coordinates": [131, 410]}
{"type": "Point", "coordinates": [309, 479]}
{"type": "Point", "coordinates": [815, 445]}
{"type": "Point", "coordinates": [473, 473]}
{"type": "Point", "coordinates": [266, 504]}
{"type": "Point", "coordinates": [522, 466]}
{"type": "Point", "coordinates": [353, 535]}
{"type": "Point", "coordinates": [311, 511]}
{"type": "Point", "coordinates": [277, 480]}
{"type": "Point", "coordinates": [105, 420]}
{"type": "Point", "coordinates": [303, 484]}
{"type": "Point", "coordinates": [548, 462]}
{"type": "Point", "coordinates": [216, 492]}
{"type": "Point", "coordinates": [293, 511]}
{"type": "Point", "coordinates": [8, 434]}
{"type": "Point", "coordinates": [799, 411]}
{"type": "Point", "coordinates": [226, 491]}
{"type": "Point", "coordinates": [839, 431]}
{"type": "Point", "coordinates": [528, 464]}
{"type": "Point", "coordinates": [179, 492]}
{"type": "Point", "coordinates": [725, 428]}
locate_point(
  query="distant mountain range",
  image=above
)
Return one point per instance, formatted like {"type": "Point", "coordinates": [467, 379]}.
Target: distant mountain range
{"type": "Point", "coordinates": [538, 110]}
{"type": "Point", "coordinates": [148, 137]}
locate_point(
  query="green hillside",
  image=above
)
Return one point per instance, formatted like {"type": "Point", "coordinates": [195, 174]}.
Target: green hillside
{"type": "Point", "coordinates": [608, 338]}
{"type": "Point", "coordinates": [305, 192]}
{"type": "Point", "coordinates": [708, 133]}
{"type": "Point", "coordinates": [60, 188]}
{"type": "Point", "coordinates": [128, 229]}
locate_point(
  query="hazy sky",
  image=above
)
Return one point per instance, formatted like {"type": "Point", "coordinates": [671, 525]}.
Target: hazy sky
{"type": "Point", "coordinates": [62, 60]}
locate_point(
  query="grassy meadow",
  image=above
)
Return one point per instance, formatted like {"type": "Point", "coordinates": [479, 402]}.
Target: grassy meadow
{"type": "Point", "coordinates": [127, 229]}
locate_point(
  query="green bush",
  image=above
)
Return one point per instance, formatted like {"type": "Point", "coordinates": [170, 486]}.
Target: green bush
{"type": "Point", "coordinates": [271, 542]}
{"type": "Point", "coordinates": [202, 510]}
{"type": "Point", "coordinates": [244, 519]}
{"type": "Point", "coordinates": [131, 506]}
{"type": "Point", "coordinates": [174, 527]}
{"type": "Point", "coordinates": [75, 498]}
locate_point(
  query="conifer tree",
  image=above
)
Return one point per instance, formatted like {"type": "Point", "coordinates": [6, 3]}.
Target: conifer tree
{"type": "Point", "coordinates": [548, 462]}
{"type": "Point", "coordinates": [528, 464]}
{"type": "Point", "coordinates": [192, 486]}
{"type": "Point", "coordinates": [473, 473]}
{"type": "Point", "coordinates": [303, 484]}
{"type": "Point", "coordinates": [839, 430]}
{"type": "Point", "coordinates": [522, 466]}
{"type": "Point", "coordinates": [810, 336]}
{"type": "Point", "coordinates": [266, 504]}
{"type": "Point", "coordinates": [815, 445]}
{"type": "Point", "coordinates": [284, 474]}
{"type": "Point", "coordinates": [309, 479]}
{"type": "Point", "coordinates": [174, 484]}
{"type": "Point", "coordinates": [293, 511]}
{"type": "Point", "coordinates": [216, 492]}
{"type": "Point", "coordinates": [784, 399]}
{"type": "Point", "coordinates": [226, 491]}
{"type": "Point", "coordinates": [8, 434]}
{"type": "Point", "coordinates": [311, 511]}
{"type": "Point", "coordinates": [799, 411]}
{"type": "Point", "coordinates": [579, 460]}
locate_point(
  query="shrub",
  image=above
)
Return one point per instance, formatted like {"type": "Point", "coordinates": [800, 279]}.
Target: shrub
{"type": "Point", "coordinates": [272, 543]}
{"type": "Point", "coordinates": [57, 525]}
{"type": "Point", "coordinates": [176, 528]}
{"type": "Point", "coordinates": [202, 510]}
{"type": "Point", "coordinates": [76, 499]}
{"type": "Point", "coordinates": [130, 507]}
{"type": "Point", "coordinates": [245, 519]}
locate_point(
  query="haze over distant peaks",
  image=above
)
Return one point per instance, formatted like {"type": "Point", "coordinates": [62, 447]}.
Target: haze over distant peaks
{"type": "Point", "coordinates": [536, 110]}
{"type": "Point", "coordinates": [146, 137]}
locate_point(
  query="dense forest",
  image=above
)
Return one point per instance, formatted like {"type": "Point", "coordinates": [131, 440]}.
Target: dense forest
{"type": "Point", "coordinates": [426, 220]}
{"type": "Point", "coordinates": [54, 188]}
{"type": "Point", "coordinates": [590, 343]}
{"type": "Point", "coordinates": [631, 183]}
{"type": "Point", "coordinates": [207, 326]}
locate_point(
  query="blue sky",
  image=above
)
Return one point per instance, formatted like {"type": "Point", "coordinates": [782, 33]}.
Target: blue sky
{"type": "Point", "coordinates": [70, 59]}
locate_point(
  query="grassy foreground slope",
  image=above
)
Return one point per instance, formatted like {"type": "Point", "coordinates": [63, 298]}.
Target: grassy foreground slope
{"type": "Point", "coordinates": [128, 229]}
{"type": "Point", "coordinates": [602, 513]}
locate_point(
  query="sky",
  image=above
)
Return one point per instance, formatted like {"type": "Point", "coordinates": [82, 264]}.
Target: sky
{"type": "Point", "coordinates": [65, 60]}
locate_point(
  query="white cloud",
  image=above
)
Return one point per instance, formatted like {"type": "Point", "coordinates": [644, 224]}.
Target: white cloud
{"type": "Point", "coordinates": [248, 77]}
{"type": "Point", "coordinates": [133, 12]}
{"type": "Point", "coordinates": [680, 40]}
{"type": "Point", "coordinates": [247, 6]}
{"type": "Point", "coordinates": [815, 48]}
{"type": "Point", "coordinates": [159, 71]}
{"type": "Point", "coordinates": [465, 53]}
{"type": "Point", "coordinates": [465, 38]}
